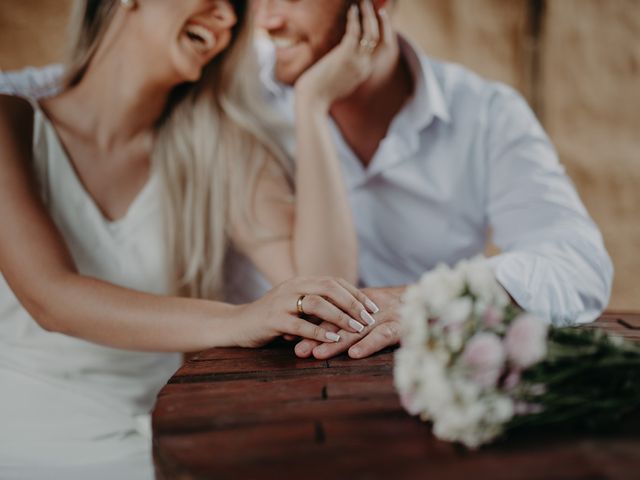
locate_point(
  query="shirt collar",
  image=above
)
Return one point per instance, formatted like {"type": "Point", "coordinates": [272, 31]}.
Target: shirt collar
{"type": "Point", "coordinates": [426, 104]}
{"type": "Point", "coordinates": [428, 101]}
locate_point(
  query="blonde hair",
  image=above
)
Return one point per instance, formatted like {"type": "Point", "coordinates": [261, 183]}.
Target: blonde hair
{"type": "Point", "coordinates": [212, 142]}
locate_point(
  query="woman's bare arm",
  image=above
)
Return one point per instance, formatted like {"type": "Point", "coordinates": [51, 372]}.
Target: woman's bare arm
{"type": "Point", "coordinates": [39, 269]}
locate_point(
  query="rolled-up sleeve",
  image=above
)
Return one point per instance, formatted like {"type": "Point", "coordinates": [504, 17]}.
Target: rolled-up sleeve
{"type": "Point", "coordinates": [32, 82]}
{"type": "Point", "coordinates": [553, 261]}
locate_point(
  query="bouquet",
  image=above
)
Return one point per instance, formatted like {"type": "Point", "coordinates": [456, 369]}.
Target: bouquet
{"type": "Point", "coordinates": [476, 366]}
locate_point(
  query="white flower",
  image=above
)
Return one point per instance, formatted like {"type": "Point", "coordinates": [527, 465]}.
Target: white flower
{"type": "Point", "coordinates": [441, 286]}
{"type": "Point", "coordinates": [457, 311]}
{"type": "Point", "coordinates": [502, 409]}
{"type": "Point", "coordinates": [453, 320]}
{"type": "Point", "coordinates": [483, 284]}
{"type": "Point", "coordinates": [434, 391]}
{"type": "Point", "coordinates": [405, 368]}
{"type": "Point", "coordinates": [413, 326]}
{"type": "Point", "coordinates": [526, 341]}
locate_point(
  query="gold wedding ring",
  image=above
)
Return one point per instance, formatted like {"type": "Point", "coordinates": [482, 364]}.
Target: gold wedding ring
{"type": "Point", "coordinates": [368, 46]}
{"type": "Point", "coordinates": [299, 305]}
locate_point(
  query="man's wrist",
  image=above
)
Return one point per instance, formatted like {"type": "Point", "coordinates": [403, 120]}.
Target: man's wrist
{"type": "Point", "coordinates": [308, 98]}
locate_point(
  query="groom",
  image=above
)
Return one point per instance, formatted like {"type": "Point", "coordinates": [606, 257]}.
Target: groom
{"type": "Point", "coordinates": [436, 159]}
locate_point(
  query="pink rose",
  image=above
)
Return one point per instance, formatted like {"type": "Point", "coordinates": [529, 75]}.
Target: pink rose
{"type": "Point", "coordinates": [512, 380]}
{"type": "Point", "coordinates": [523, 408]}
{"type": "Point", "coordinates": [484, 356]}
{"type": "Point", "coordinates": [493, 316]}
{"type": "Point", "coordinates": [526, 341]}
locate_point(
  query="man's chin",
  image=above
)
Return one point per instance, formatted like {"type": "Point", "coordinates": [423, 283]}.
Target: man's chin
{"type": "Point", "coordinates": [288, 76]}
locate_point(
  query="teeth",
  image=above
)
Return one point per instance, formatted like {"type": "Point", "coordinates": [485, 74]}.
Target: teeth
{"type": "Point", "coordinates": [200, 37]}
{"type": "Point", "coordinates": [281, 42]}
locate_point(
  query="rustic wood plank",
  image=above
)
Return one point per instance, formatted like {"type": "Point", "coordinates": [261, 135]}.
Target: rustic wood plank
{"type": "Point", "coordinates": [627, 319]}
{"type": "Point", "coordinates": [383, 359]}
{"type": "Point", "coordinates": [193, 415]}
{"type": "Point", "coordinates": [384, 448]}
{"type": "Point", "coordinates": [256, 365]}
{"type": "Point", "coordinates": [274, 351]}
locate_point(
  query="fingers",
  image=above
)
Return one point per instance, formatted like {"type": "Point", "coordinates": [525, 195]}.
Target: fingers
{"type": "Point", "coordinates": [329, 350]}
{"type": "Point", "coordinates": [384, 335]}
{"type": "Point", "coordinates": [370, 27]}
{"type": "Point", "coordinates": [301, 328]}
{"type": "Point", "coordinates": [354, 30]}
{"type": "Point", "coordinates": [319, 307]}
{"type": "Point", "coordinates": [334, 290]}
{"type": "Point", "coordinates": [304, 348]}
{"type": "Point", "coordinates": [359, 295]}
{"type": "Point", "coordinates": [386, 29]}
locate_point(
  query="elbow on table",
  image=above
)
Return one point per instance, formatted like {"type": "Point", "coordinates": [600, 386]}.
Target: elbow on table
{"type": "Point", "coordinates": [591, 295]}
{"type": "Point", "coordinates": [568, 289]}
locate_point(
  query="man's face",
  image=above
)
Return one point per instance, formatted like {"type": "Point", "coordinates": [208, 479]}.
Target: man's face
{"type": "Point", "coordinates": [303, 31]}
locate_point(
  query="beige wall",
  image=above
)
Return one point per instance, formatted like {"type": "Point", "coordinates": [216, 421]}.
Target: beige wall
{"type": "Point", "coordinates": [581, 72]}
{"type": "Point", "coordinates": [32, 32]}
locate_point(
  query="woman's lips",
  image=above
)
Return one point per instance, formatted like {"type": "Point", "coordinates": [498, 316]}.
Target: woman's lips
{"type": "Point", "coordinates": [202, 39]}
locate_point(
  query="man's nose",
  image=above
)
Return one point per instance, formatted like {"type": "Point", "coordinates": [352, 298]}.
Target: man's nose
{"type": "Point", "coordinates": [268, 14]}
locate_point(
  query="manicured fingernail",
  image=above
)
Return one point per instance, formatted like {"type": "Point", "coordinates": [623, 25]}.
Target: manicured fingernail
{"type": "Point", "coordinates": [334, 337]}
{"type": "Point", "coordinates": [364, 315]}
{"type": "Point", "coordinates": [373, 308]}
{"type": "Point", "coordinates": [356, 325]}
{"type": "Point", "coordinates": [355, 352]}
{"type": "Point", "coordinates": [319, 351]}
{"type": "Point", "coordinates": [303, 350]}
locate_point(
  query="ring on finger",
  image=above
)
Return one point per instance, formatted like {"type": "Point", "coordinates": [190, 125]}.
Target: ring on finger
{"type": "Point", "coordinates": [367, 45]}
{"type": "Point", "coordinates": [299, 307]}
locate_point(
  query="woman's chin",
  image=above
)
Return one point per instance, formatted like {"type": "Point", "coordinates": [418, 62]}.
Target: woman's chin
{"type": "Point", "coordinates": [188, 72]}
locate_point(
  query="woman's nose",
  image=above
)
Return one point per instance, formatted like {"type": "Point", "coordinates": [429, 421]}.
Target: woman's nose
{"type": "Point", "coordinates": [223, 14]}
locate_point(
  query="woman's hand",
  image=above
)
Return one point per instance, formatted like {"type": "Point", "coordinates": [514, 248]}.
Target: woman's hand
{"type": "Point", "coordinates": [327, 299]}
{"type": "Point", "coordinates": [341, 71]}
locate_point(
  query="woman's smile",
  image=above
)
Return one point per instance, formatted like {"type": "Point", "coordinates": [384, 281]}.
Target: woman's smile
{"type": "Point", "coordinates": [202, 40]}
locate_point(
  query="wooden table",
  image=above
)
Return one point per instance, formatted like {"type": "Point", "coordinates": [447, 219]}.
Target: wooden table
{"type": "Point", "coordinates": [262, 414]}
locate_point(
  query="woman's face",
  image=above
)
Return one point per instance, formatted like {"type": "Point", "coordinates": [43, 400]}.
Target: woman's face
{"type": "Point", "coordinates": [190, 32]}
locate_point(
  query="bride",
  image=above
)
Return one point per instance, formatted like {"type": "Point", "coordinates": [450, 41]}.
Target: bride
{"type": "Point", "coordinates": [152, 160]}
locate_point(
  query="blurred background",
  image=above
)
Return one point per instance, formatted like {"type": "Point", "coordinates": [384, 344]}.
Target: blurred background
{"type": "Point", "coordinates": [576, 61]}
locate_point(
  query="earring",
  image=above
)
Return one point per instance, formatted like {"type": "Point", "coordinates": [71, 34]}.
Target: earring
{"type": "Point", "coordinates": [129, 4]}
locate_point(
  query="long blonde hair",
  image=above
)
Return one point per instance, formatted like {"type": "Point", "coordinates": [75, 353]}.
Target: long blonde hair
{"type": "Point", "coordinates": [214, 138]}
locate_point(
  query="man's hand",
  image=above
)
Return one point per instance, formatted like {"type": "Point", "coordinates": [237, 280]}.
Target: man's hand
{"type": "Point", "coordinates": [384, 333]}
{"type": "Point", "coordinates": [342, 70]}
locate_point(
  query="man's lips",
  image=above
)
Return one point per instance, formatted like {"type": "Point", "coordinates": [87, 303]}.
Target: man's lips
{"type": "Point", "coordinates": [284, 42]}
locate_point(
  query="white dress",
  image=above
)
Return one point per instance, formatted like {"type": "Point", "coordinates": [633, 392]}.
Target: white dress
{"type": "Point", "coordinates": [70, 408]}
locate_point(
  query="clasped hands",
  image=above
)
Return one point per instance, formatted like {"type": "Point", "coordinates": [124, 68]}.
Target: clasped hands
{"type": "Point", "coordinates": [384, 333]}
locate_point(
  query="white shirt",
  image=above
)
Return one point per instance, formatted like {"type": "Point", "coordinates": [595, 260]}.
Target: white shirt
{"type": "Point", "coordinates": [465, 159]}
